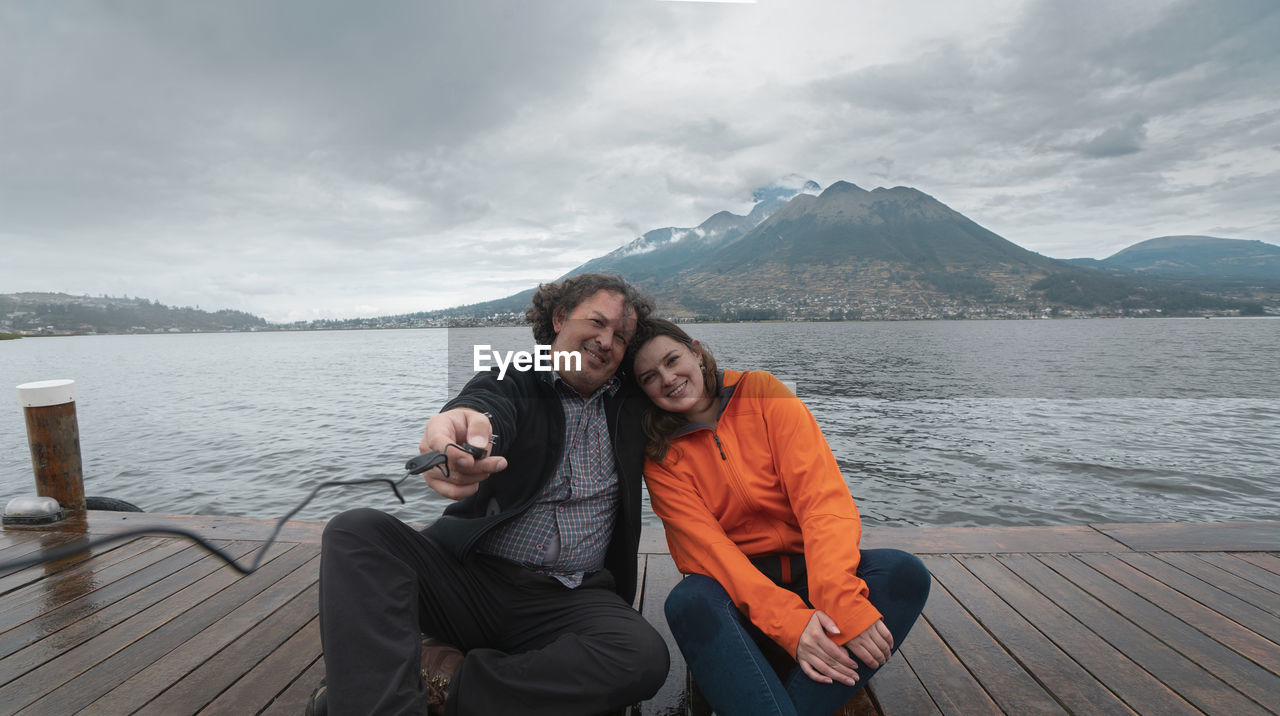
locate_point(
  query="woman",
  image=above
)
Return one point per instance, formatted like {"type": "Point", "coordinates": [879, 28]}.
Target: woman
{"type": "Point", "coordinates": [753, 501]}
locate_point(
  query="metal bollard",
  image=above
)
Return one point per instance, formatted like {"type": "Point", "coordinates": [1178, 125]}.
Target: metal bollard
{"type": "Point", "coordinates": [50, 410]}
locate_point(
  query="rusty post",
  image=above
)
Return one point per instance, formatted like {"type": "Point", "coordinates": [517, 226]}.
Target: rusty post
{"type": "Point", "coordinates": [50, 410]}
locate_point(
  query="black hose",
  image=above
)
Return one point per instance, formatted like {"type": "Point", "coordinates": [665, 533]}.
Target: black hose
{"type": "Point", "coordinates": [416, 466]}
{"type": "Point", "coordinates": [74, 549]}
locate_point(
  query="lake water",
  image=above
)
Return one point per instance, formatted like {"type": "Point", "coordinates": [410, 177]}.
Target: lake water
{"type": "Point", "coordinates": [933, 423]}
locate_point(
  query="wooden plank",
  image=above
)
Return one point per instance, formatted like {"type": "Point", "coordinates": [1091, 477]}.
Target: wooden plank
{"type": "Point", "coordinates": [1246, 566]}
{"type": "Point", "coordinates": [78, 579]}
{"type": "Point", "coordinates": [14, 545]}
{"type": "Point", "coordinates": [634, 709]}
{"type": "Point", "coordinates": [1009, 685]}
{"type": "Point", "coordinates": [15, 534]}
{"type": "Point", "coordinates": [1243, 641]}
{"type": "Point", "coordinates": [951, 686]}
{"type": "Point", "coordinates": [1207, 594]}
{"type": "Point", "coordinates": [1199, 565]}
{"type": "Point", "coordinates": [957, 540]}
{"type": "Point", "coordinates": [989, 540]}
{"type": "Point", "coordinates": [1182, 675]}
{"type": "Point", "coordinates": [30, 548]}
{"type": "Point", "coordinates": [91, 637]}
{"type": "Point", "coordinates": [235, 603]}
{"type": "Point", "coordinates": [292, 702]}
{"type": "Point", "coordinates": [641, 561]}
{"type": "Point", "coordinates": [1194, 536]}
{"type": "Point", "coordinates": [1072, 686]}
{"type": "Point", "coordinates": [189, 691]}
{"type": "Point", "coordinates": [660, 576]}
{"type": "Point", "coordinates": [1269, 561]}
{"type": "Point", "coordinates": [210, 527]}
{"type": "Point", "coordinates": [1213, 537]}
{"type": "Point", "coordinates": [49, 606]}
{"type": "Point", "coordinates": [10, 537]}
{"type": "Point", "coordinates": [39, 640]}
{"type": "Point", "coordinates": [897, 691]}
{"type": "Point", "coordinates": [1225, 664]}
{"type": "Point", "coordinates": [859, 705]}
{"type": "Point", "coordinates": [653, 540]}
{"type": "Point", "coordinates": [1139, 689]}
{"type": "Point", "coordinates": [59, 665]}
{"type": "Point", "coordinates": [275, 680]}
{"type": "Point", "coordinates": [41, 573]}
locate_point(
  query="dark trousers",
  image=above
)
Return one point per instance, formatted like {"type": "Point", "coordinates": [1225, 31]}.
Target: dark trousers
{"type": "Point", "coordinates": [532, 645]}
{"type": "Point", "coordinates": [726, 652]}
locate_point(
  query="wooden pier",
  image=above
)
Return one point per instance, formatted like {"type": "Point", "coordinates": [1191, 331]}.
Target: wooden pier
{"type": "Point", "coordinates": [1112, 618]}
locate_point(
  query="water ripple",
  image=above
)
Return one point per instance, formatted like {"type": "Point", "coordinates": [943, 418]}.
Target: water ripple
{"type": "Point", "coordinates": [966, 423]}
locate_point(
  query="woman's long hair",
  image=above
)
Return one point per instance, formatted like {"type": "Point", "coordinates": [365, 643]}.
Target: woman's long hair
{"type": "Point", "coordinates": [659, 424]}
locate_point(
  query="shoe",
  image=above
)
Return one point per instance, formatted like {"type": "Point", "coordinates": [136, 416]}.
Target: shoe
{"type": "Point", "coordinates": [439, 663]}
{"type": "Point", "coordinates": [318, 705]}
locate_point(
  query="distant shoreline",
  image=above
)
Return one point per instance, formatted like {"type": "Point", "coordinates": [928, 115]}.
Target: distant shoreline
{"type": "Point", "coordinates": [288, 329]}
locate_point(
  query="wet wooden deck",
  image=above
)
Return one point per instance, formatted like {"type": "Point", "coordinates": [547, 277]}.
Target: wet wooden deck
{"type": "Point", "coordinates": [1121, 618]}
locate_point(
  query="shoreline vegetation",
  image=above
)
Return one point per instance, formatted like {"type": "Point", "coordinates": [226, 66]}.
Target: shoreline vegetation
{"type": "Point", "coordinates": [60, 314]}
{"type": "Point", "coordinates": [382, 324]}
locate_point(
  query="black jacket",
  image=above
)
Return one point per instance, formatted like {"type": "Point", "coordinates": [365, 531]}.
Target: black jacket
{"type": "Point", "coordinates": [528, 419]}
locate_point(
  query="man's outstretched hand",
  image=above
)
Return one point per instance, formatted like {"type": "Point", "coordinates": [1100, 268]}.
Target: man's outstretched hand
{"type": "Point", "coordinates": [459, 426]}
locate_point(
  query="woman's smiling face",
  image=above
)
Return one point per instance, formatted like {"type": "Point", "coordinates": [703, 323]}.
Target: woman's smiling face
{"type": "Point", "coordinates": [669, 373]}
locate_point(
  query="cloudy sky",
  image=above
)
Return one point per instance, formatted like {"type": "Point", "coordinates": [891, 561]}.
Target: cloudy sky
{"type": "Point", "coordinates": [313, 159]}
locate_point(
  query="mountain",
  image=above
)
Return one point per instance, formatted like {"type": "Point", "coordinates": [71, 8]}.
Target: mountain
{"type": "Point", "coordinates": [842, 253]}
{"type": "Point", "coordinates": [846, 252]}
{"type": "Point", "coordinates": [1196, 257]}
{"type": "Point", "coordinates": [661, 251]}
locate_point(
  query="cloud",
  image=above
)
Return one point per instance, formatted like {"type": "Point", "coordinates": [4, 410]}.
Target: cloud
{"type": "Point", "coordinates": [1117, 141]}
{"type": "Point", "coordinates": [414, 155]}
{"type": "Point", "coordinates": [1008, 131]}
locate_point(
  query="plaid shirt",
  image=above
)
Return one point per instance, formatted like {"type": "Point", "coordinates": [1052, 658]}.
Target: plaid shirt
{"type": "Point", "coordinates": [566, 532]}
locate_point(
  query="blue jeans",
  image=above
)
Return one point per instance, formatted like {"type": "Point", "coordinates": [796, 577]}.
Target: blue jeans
{"type": "Point", "coordinates": [723, 648]}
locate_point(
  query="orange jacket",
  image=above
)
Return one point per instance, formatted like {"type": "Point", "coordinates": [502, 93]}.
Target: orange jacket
{"type": "Point", "coordinates": [763, 481]}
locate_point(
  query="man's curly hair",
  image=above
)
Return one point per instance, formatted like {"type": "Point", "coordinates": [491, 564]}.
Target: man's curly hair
{"type": "Point", "coordinates": [563, 297]}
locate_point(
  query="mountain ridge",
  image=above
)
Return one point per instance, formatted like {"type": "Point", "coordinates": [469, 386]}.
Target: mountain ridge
{"type": "Point", "coordinates": [850, 245]}
{"type": "Point", "coordinates": [36, 313]}
{"type": "Point", "coordinates": [807, 253]}
{"type": "Point", "coordinates": [1195, 260]}
{"type": "Point", "coordinates": [845, 252]}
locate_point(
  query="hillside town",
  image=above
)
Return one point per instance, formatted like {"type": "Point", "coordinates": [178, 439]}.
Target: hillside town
{"type": "Point", "coordinates": [32, 321]}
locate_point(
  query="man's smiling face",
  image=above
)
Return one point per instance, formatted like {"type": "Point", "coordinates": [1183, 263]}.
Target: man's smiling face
{"type": "Point", "coordinates": [599, 329]}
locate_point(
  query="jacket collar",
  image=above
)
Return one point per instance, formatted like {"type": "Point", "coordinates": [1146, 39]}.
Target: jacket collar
{"type": "Point", "coordinates": [726, 385]}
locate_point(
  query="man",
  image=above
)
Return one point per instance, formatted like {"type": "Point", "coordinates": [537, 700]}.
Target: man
{"type": "Point", "coordinates": [531, 573]}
